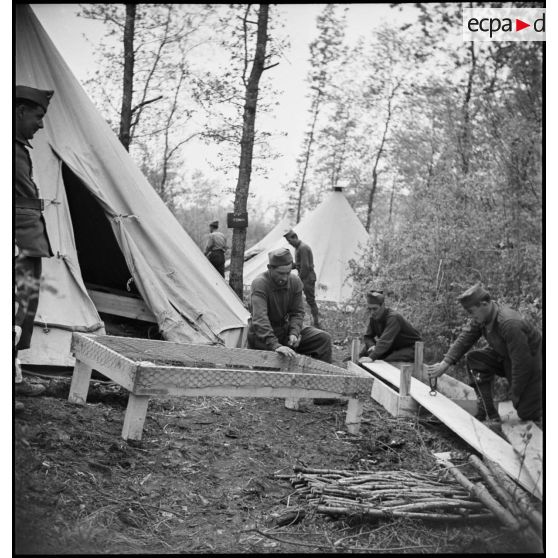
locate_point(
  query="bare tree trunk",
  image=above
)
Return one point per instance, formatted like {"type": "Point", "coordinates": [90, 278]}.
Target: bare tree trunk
{"type": "Point", "coordinates": [128, 82]}
{"type": "Point", "coordinates": [378, 157]}
{"type": "Point", "coordinates": [246, 150]}
{"type": "Point", "coordinates": [308, 153]}
{"type": "Point", "coordinates": [465, 136]}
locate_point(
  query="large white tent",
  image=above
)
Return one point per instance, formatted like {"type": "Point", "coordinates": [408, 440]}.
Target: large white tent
{"type": "Point", "coordinates": [110, 232]}
{"type": "Point", "coordinates": [335, 234]}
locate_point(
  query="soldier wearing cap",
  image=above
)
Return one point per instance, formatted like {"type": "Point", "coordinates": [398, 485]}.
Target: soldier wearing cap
{"type": "Point", "coordinates": [304, 264]}
{"type": "Point", "coordinates": [513, 352]}
{"type": "Point", "coordinates": [32, 242]}
{"type": "Point", "coordinates": [215, 248]}
{"type": "Point", "coordinates": [278, 313]}
{"type": "Point", "coordinates": [389, 335]}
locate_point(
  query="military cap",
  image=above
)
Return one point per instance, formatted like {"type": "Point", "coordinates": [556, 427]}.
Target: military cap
{"type": "Point", "coordinates": [39, 96]}
{"type": "Point", "coordinates": [375, 297]}
{"type": "Point", "coordinates": [290, 232]}
{"type": "Point", "coordinates": [214, 224]}
{"type": "Point", "coordinates": [280, 256]}
{"type": "Point", "coordinates": [473, 296]}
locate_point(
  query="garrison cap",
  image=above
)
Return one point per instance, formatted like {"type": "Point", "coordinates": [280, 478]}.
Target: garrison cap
{"type": "Point", "coordinates": [375, 297]}
{"type": "Point", "coordinates": [39, 96]}
{"type": "Point", "coordinates": [290, 232]}
{"type": "Point", "coordinates": [473, 296]}
{"type": "Point", "coordinates": [281, 256]}
{"type": "Point", "coordinates": [214, 224]}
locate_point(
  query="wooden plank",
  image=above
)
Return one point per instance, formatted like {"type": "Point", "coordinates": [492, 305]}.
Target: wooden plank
{"type": "Point", "coordinates": [392, 402]}
{"type": "Point", "coordinates": [526, 439]}
{"type": "Point", "coordinates": [464, 425]}
{"type": "Point", "coordinates": [387, 397]}
{"type": "Point", "coordinates": [134, 419]}
{"type": "Point", "coordinates": [156, 350]}
{"type": "Point", "coordinates": [129, 307]}
{"type": "Point", "coordinates": [461, 394]}
{"type": "Point", "coordinates": [161, 379]}
{"type": "Point", "coordinates": [80, 383]}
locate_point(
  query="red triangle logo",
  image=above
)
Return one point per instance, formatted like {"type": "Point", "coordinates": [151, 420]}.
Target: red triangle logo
{"type": "Point", "coordinates": [519, 25]}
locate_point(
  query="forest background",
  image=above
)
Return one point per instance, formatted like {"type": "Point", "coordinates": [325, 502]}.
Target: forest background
{"type": "Point", "coordinates": [436, 142]}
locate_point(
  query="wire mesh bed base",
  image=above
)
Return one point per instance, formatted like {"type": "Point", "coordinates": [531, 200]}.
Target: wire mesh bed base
{"type": "Point", "coordinates": [150, 368]}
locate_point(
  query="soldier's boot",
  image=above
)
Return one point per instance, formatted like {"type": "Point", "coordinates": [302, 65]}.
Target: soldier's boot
{"type": "Point", "coordinates": [486, 409]}
{"type": "Point", "coordinates": [316, 317]}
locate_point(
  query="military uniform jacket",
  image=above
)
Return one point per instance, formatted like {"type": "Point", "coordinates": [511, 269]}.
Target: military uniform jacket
{"type": "Point", "coordinates": [277, 312]}
{"type": "Point", "coordinates": [215, 241]}
{"type": "Point", "coordinates": [389, 332]}
{"type": "Point", "coordinates": [304, 262]}
{"type": "Point", "coordinates": [30, 229]}
{"type": "Point", "coordinates": [516, 341]}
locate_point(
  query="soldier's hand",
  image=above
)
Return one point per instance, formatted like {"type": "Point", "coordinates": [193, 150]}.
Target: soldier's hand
{"type": "Point", "coordinates": [365, 359]}
{"type": "Point", "coordinates": [294, 341]}
{"type": "Point", "coordinates": [284, 350]}
{"type": "Point", "coordinates": [436, 370]}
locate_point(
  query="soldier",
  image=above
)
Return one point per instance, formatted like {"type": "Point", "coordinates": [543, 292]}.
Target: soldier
{"type": "Point", "coordinates": [304, 264]}
{"type": "Point", "coordinates": [278, 313]}
{"type": "Point", "coordinates": [215, 248]}
{"type": "Point", "coordinates": [32, 242]}
{"type": "Point", "coordinates": [389, 335]}
{"type": "Point", "coordinates": [513, 352]}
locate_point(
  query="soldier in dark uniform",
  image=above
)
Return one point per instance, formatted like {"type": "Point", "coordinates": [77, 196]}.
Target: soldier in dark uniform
{"type": "Point", "coordinates": [304, 264]}
{"type": "Point", "coordinates": [32, 242]}
{"type": "Point", "coordinates": [389, 335]}
{"type": "Point", "coordinates": [215, 248]}
{"type": "Point", "coordinates": [278, 313]}
{"type": "Point", "coordinates": [513, 352]}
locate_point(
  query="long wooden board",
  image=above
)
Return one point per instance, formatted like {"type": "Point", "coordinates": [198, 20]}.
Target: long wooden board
{"type": "Point", "coordinates": [461, 394]}
{"type": "Point", "coordinates": [474, 432]}
{"type": "Point", "coordinates": [526, 439]}
{"type": "Point", "coordinates": [129, 307]}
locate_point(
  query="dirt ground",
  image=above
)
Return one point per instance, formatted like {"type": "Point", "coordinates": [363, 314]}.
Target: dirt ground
{"type": "Point", "coordinates": [202, 480]}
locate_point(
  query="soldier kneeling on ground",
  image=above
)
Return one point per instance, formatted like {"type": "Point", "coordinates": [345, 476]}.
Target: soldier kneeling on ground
{"type": "Point", "coordinates": [513, 352]}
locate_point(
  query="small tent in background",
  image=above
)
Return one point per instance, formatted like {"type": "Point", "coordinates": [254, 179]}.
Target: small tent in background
{"type": "Point", "coordinates": [110, 232]}
{"type": "Point", "coordinates": [336, 235]}
{"type": "Point", "coordinates": [269, 240]}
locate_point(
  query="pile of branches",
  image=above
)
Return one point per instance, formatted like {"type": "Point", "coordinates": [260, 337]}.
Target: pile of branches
{"type": "Point", "coordinates": [387, 494]}
{"type": "Point", "coordinates": [446, 495]}
{"type": "Point", "coordinates": [512, 505]}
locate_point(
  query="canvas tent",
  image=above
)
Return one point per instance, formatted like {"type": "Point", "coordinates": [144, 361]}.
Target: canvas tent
{"type": "Point", "coordinates": [110, 232]}
{"type": "Point", "coordinates": [336, 235]}
{"type": "Point", "coordinates": [269, 240]}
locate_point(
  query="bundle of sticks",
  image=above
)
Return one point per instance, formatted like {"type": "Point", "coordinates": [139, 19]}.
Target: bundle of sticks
{"type": "Point", "coordinates": [446, 495]}
{"type": "Point", "coordinates": [387, 494]}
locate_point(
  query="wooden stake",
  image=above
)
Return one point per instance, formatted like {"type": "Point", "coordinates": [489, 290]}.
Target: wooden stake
{"type": "Point", "coordinates": [405, 380]}
{"type": "Point", "coordinates": [354, 415]}
{"type": "Point", "coordinates": [419, 358]}
{"type": "Point", "coordinates": [355, 349]}
{"type": "Point", "coordinates": [80, 383]}
{"type": "Point", "coordinates": [135, 416]}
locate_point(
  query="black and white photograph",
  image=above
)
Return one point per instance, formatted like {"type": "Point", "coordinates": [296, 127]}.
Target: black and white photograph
{"type": "Point", "coordinates": [279, 278]}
